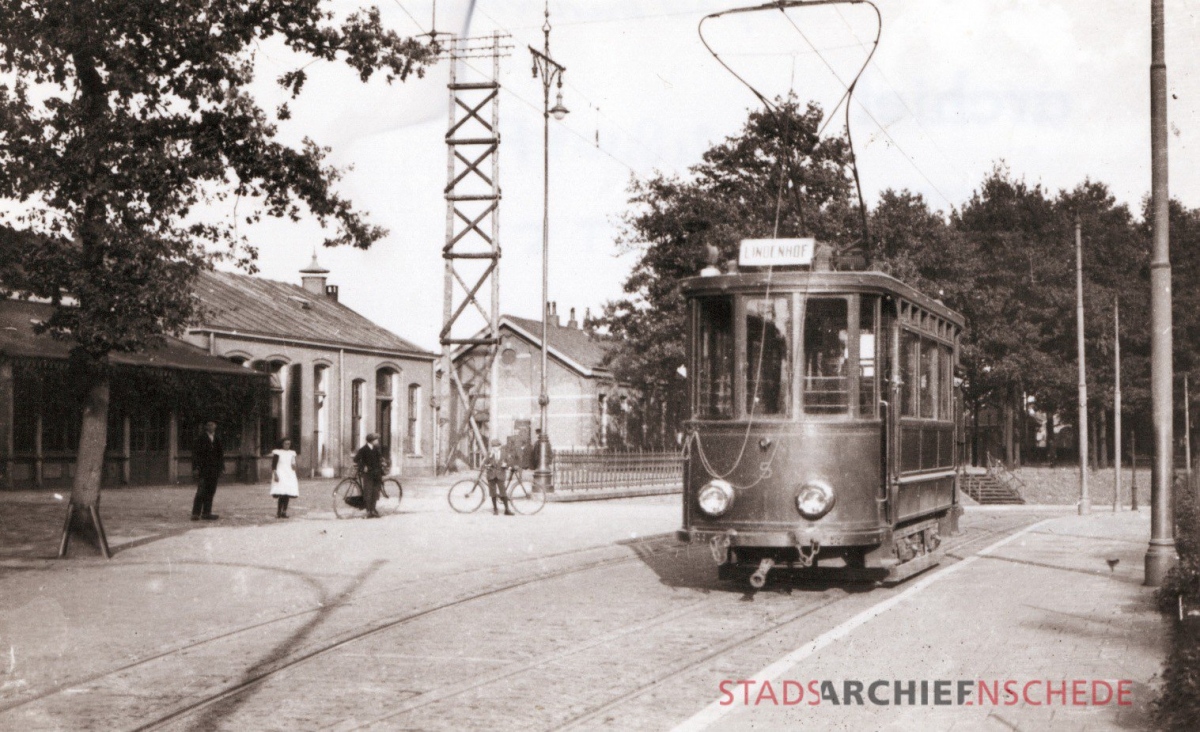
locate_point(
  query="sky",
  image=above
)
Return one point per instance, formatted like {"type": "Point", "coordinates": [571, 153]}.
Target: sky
{"type": "Point", "coordinates": [1057, 91]}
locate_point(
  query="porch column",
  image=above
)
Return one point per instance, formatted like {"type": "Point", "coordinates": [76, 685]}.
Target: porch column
{"type": "Point", "coordinates": [37, 448]}
{"type": "Point", "coordinates": [6, 423]}
{"type": "Point", "coordinates": [125, 451]}
{"type": "Point", "coordinates": [172, 447]}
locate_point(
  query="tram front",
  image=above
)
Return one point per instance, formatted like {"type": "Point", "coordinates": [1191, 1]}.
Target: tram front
{"type": "Point", "coordinates": [787, 457]}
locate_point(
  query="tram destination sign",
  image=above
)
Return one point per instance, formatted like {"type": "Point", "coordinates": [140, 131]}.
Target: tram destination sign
{"type": "Point", "coordinates": [776, 252]}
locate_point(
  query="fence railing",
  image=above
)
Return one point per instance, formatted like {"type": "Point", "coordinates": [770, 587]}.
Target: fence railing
{"type": "Point", "coordinates": [599, 471]}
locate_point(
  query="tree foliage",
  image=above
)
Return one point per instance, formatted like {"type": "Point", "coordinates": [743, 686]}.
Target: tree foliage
{"type": "Point", "coordinates": [124, 127]}
{"type": "Point", "coordinates": [120, 120]}
{"type": "Point", "coordinates": [1005, 259]}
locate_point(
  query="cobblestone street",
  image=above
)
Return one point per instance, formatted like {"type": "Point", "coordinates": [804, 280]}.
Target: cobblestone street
{"type": "Point", "coordinates": [584, 616]}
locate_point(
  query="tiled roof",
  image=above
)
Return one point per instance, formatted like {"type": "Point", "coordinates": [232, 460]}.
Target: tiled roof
{"type": "Point", "coordinates": [18, 340]}
{"type": "Point", "coordinates": [577, 344]}
{"type": "Point", "coordinates": [255, 306]}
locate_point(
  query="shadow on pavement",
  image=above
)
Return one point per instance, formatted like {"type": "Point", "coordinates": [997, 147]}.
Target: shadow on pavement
{"type": "Point", "coordinates": [243, 690]}
{"type": "Point", "coordinates": [692, 567]}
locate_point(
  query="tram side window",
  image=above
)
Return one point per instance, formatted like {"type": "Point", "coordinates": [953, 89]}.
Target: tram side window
{"type": "Point", "coordinates": [866, 358]}
{"type": "Point", "coordinates": [714, 356]}
{"type": "Point", "coordinates": [826, 336]}
{"type": "Point", "coordinates": [768, 355]}
{"type": "Point", "coordinates": [928, 385]}
{"type": "Point", "coordinates": [910, 349]}
{"type": "Point", "coordinates": [947, 382]}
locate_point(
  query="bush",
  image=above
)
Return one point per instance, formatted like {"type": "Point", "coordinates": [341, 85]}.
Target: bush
{"type": "Point", "coordinates": [1179, 706]}
{"type": "Point", "coordinates": [1184, 579]}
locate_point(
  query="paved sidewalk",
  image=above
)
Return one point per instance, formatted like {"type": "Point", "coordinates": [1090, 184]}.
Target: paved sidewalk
{"type": "Point", "coordinates": [1043, 607]}
{"type": "Point", "coordinates": [31, 521]}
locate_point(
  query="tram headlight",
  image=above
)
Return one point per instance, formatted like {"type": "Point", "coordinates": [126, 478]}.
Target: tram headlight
{"type": "Point", "coordinates": [814, 500]}
{"type": "Point", "coordinates": [715, 498]}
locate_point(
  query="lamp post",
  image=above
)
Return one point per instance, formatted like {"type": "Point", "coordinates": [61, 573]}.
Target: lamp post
{"type": "Point", "coordinates": [551, 73]}
{"type": "Point", "coordinates": [1160, 555]}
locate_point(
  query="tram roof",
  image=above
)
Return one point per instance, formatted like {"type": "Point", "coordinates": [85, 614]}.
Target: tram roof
{"type": "Point", "coordinates": [818, 283]}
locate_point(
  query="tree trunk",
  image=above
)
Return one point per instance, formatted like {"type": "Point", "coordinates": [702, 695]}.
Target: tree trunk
{"type": "Point", "coordinates": [1103, 438]}
{"type": "Point", "coordinates": [83, 512]}
{"type": "Point", "coordinates": [1091, 436]}
{"type": "Point", "coordinates": [1008, 429]}
{"type": "Point", "coordinates": [1051, 442]}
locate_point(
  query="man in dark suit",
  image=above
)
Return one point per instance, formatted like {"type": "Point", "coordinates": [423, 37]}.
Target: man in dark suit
{"type": "Point", "coordinates": [369, 460]}
{"type": "Point", "coordinates": [208, 462]}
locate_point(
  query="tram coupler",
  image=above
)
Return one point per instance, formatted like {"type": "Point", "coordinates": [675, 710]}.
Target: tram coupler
{"type": "Point", "coordinates": [809, 558]}
{"type": "Point", "coordinates": [759, 579]}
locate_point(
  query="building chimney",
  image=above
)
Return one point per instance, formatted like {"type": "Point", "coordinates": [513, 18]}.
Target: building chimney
{"type": "Point", "coordinates": [313, 277]}
{"type": "Point", "coordinates": [331, 292]}
{"type": "Point", "coordinates": [552, 314]}
{"type": "Point", "coordinates": [572, 323]}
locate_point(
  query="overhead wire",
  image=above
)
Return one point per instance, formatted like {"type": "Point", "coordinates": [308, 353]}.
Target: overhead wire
{"type": "Point", "coordinates": [637, 140]}
{"type": "Point", "coordinates": [849, 89]}
{"type": "Point", "coordinates": [896, 92]}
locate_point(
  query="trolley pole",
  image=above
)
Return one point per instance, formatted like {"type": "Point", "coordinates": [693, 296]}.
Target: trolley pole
{"type": "Point", "coordinates": [1117, 403]}
{"type": "Point", "coordinates": [550, 71]}
{"type": "Point", "coordinates": [1160, 555]}
{"type": "Point", "coordinates": [1085, 501]}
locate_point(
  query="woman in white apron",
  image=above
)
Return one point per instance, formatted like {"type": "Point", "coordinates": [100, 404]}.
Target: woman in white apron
{"type": "Point", "coordinates": [284, 484]}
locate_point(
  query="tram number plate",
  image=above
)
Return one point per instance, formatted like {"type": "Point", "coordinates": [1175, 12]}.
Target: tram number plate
{"type": "Point", "coordinates": [775, 252]}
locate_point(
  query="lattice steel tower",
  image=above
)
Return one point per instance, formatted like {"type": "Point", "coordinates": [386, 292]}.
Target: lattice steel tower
{"type": "Point", "coordinates": [471, 308]}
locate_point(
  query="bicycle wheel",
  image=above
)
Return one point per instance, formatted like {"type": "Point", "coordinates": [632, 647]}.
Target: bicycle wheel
{"type": "Point", "coordinates": [466, 496]}
{"type": "Point", "coordinates": [525, 499]}
{"type": "Point", "coordinates": [348, 499]}
{"type": "Point", "coordinates": [390, 495]}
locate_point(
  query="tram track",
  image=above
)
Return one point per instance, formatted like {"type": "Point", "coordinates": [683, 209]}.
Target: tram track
{"type": "Point", "coordinates": [665, 545]}
{"type": "Point", "coordinates": [829, 597]}
{"type": "Point", "coordinates": [657, 544]}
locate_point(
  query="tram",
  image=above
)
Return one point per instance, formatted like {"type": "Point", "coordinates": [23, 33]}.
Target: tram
{"type": "Point", "coordinates": [825, 432]}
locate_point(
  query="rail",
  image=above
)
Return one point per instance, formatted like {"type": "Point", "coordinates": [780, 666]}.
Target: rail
{"type": "Point", "coordinates": [608, 472]}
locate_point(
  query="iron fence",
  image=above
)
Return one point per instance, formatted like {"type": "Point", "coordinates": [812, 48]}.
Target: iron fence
{"type": "Point", "coordinates": [613, 471]}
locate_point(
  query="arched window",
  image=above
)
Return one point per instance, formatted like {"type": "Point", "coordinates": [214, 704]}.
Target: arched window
{"type": "Point", "coordinates": [272, 431]}
{"type": "Point", "coordinates": [412, 436]}
{"type": "Point", "coordinates": [357, 417]}
{"type": "Point", "coordinates": [385, 396]}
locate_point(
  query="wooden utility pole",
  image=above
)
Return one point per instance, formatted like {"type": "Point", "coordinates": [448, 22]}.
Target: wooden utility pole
{"type": "Point", "coordinates": [1116, 403]}
{"type": "Point", "coordinates": [1085, 501]}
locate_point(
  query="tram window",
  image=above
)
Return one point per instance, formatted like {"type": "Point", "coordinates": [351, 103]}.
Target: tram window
{"type": "Point", "coordinates": [768, 355]}
{"type": "Point", "coordinates": [928, 386]}
{"type": "Point", "coordinates": [910, 348]}
{"type": "Point", "coordinates": [714, 356]}
{"type": "Point", "coordinates": [826, 335]}
{"type": "Point", "coordinates": [947, 382]}
{"type": "Point", "coordinates": [866, 358]}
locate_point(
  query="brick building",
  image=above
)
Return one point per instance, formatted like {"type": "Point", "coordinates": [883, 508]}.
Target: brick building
{"type": "Point", "coordinates": [335, 375]}
{"type": "Point", "coordinates": [587, 403]}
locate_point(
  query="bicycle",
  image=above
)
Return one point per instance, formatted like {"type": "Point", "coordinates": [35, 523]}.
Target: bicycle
{"type": "Point", "coordinates": [348, 498]}
{"type": "Point", "coordinates": [468, 495]}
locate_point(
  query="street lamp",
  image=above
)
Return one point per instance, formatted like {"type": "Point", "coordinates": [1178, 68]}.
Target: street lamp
{"type": "Point", "coordinates": [551, 73]}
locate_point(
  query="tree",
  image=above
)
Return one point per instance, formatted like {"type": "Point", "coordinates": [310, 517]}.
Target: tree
{"type": "Point", "coordinates": [120, 121]}
{"type": "Point", "coordinates": [774, 178]}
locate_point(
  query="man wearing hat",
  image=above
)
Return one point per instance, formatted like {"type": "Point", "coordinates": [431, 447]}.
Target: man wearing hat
{"type": "Point", "coordinates": [369, 460]}
{"type": "Point", "coordinates": [497, 474]}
